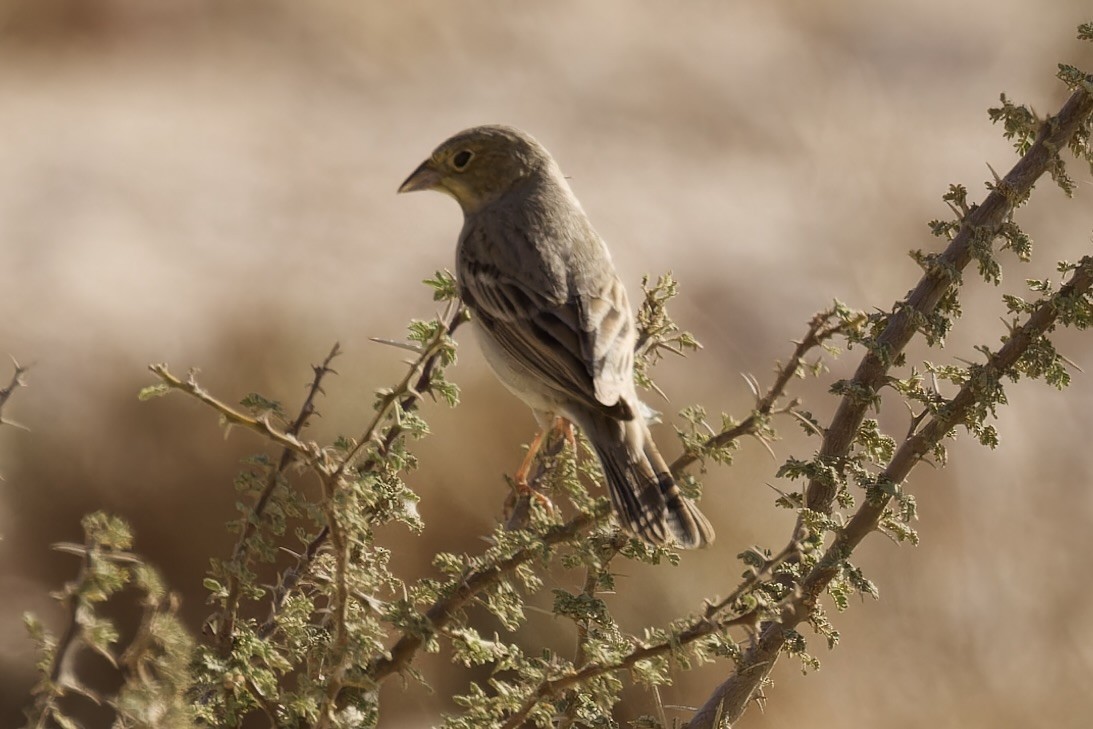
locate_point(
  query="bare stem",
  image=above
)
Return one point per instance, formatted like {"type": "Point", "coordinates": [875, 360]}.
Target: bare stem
{"type": "Point", "coordinates": [262, 426]}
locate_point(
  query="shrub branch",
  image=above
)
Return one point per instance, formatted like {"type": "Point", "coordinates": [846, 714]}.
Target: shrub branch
{"type": "Point", "coordinates": [241, 552]}
{"type": "Point", "coordinates": [17, 380]}
{"type": "Point", "coordinates": [730, 699]}
{"type": "Point", "coordinates": [986, 219]}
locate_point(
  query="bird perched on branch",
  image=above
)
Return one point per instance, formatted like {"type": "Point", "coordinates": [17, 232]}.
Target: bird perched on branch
{"type": "Point", "coordinates": [553, 317]}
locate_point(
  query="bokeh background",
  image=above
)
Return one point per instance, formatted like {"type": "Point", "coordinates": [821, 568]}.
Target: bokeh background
{"type": "Point", "coordinates": [212, 185]}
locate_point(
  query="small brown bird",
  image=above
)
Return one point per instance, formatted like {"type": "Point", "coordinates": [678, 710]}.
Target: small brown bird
{"type": "Point", "coordinates": [553, 317]}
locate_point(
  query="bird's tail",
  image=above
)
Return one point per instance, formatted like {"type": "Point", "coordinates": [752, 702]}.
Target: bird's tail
{"type": "Point", "coordinates": [645, 496]}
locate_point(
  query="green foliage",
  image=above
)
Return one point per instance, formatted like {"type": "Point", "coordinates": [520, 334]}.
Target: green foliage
{"type": "Point", "coordinates": [444, 286]}
{"type": "Point", "coordinates": [696, 434]}
{"type": "Point", "coordinates": [310, 617]}
{"type": "Point", "coordinates": [1019, 123]}
{"type": "Point", "coordinates": [657, 333]}
{"type": "Point", "coordinates": [154, 665]}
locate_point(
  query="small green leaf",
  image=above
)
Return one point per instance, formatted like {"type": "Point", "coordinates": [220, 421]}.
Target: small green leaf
{"type": "Point", "coordinates": [152, 391]}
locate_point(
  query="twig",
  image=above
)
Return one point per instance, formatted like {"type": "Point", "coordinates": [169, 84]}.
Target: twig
{"type": "Point", "coordinates": [309, 451]}
{"type": "Point", "coordinates": [447, 605]}
{"type": "Point", "coordinates": [335, 675]}
{"type": "Point", "coordinates": [406, 394]}
{"type": "Point", "coordinates": [413, 384]}
{"type": "Point", "coordinates": [871, 374]}
{"type": "Point", "coordinates": [425, 366]}
{"type": "Point", "coordinates": [730, 699]}
{"type": "Point", "coordinates": [17, 381]}
{"type": "Point", "coordinates": [593, 574]}
{"type": "Point", "coordinates": [289, 579]}
{"type": "Point", "coordinates": [699, 628]}
{"type": "Point", "coordinates": [52, 689]}
{"type": "Point", "coordinates": [818, 332]}
{"type": "Point", "coordinates": [241, 552]}
{"type": "Point", "coordinates": [696, 631]}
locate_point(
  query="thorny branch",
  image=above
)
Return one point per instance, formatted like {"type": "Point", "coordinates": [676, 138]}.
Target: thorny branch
{"type": "Point", "coordinates": [440, 613]}
{"type": "Point", "coordinates": [444, 608]}
{"type": "Point", "coordinates": [901, 326]}
{"type": "Point", "coordinates": [819, 331]}
{"type": "Point", "coordinates": [730, 699]}
{"type": "Point", "coordinates": [405, 395]}
{"type": "Point", "coordinates": [410, 390]}
{"type": "Point", "coordinates": [46, 704]}
{"type": "Point", "coordinates": [17, 381]}
{"type": "Point", "coordinates": [709, 622]}
{"type": "Point", "coordinates": [243, 545]}
{"type": "Point", "coordinates": [308, 451]}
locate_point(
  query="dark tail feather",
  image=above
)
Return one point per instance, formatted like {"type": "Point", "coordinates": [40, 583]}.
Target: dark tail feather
{"type": "Point", "coordinates": [646, 498]}
{"type": "Point", "coordinates": [689, 526]}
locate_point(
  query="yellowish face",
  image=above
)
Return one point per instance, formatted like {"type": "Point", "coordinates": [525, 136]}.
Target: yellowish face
{"type": "Point", "coordinates": [478, 165]}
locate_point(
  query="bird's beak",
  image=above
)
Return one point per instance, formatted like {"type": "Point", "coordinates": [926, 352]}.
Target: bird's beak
{"type": "Point", "coordinates": [425, 177]}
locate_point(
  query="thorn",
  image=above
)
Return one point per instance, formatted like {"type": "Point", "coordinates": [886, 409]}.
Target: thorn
{"type": "Point", "coordinates": [69, 548]}
{"type": "Point", "coordinates": [415, 348]}
{"type": "Point", "coordinates": [1070, 362]}
{"type": "Point", "coordinates": [753, 384]}
{"type": "Point", "coordinates": [806, 422]}
{"type": "Point", "coordinates": [777, 490]}
{"type": "Point", "coordinates": [766, 445]}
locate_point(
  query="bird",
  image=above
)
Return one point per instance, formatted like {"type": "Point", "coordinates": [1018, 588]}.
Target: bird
{"type": "Point", "coordinates": [553, 318]}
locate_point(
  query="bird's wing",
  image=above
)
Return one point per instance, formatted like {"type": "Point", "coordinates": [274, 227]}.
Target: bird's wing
{"type": "Point", "coordinates": [606, 325]}
{"type": "Point", "coordinates": [583, 346]}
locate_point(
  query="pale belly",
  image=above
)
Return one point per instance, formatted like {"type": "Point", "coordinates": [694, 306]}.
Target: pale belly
{"type": "Point", "coordinates": [520, 381]}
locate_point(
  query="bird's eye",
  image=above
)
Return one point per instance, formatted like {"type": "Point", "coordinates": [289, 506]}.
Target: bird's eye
{"type": "Point", "coordinates": [462, 159]}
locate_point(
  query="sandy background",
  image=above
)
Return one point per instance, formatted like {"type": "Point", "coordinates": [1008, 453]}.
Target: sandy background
{"type": "Point", "coordinates": [212, 184]}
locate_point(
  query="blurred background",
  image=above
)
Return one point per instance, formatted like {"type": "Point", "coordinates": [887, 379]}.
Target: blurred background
{"type": "Point", "coordinates": [212, 185]}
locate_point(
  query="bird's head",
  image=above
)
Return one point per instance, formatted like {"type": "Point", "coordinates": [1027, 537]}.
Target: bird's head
{"type": "Point", "coordinates": [479, 165]}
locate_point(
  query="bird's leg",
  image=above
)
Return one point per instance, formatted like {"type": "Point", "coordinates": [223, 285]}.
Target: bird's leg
{"type": "Point", "coordinates": [521, 475]}
{"type": "Point", "coordinates": [523, 490]}
{"type": "Point", "coordinates": [563, 426]}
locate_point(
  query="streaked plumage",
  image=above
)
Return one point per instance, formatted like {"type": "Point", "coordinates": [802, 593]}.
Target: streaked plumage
{"type": "Point", "coordinates": [553, 317]}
